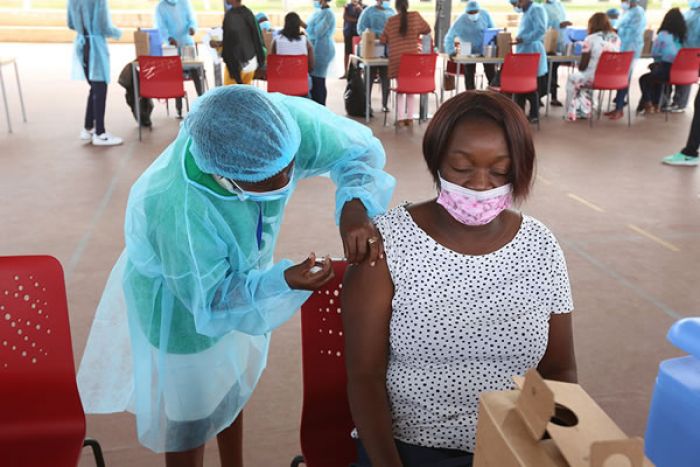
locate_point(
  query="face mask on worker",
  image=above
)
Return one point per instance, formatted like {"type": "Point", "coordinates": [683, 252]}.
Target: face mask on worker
{"type": "Point", "coordinates": [386, 5]}
{"type": "Point", "coordinates": [172, 2]}
{"type": "Point", "coordinates": [472, 207]}
{"type": "Point", "coordinates": [694, 5]}
{"type": "Point", "coordinates": [317, 5]}
{"type": "Point", "coordinates": [257, 196]}
{"type": "Point", "coordinates": [625, 6]}
{"type": "Point", "coordinates": [474, 17]}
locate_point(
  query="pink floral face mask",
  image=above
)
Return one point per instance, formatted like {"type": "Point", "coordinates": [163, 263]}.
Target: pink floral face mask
{"type": "Point", "coordinates": [474, 207]}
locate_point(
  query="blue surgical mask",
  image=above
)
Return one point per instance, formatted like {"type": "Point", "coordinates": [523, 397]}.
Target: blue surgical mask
{"type": "Point", "coordinates": [694, 5]}
{"type": "Point", "coordinates": [625, 6]}
{"type": "Point", "coordinates": [317, 4]}
{"type": "Point", "coordinates": [474, 17]}
{"type": "Point", "coordinates": [257, 196]}
{"type": "Point", "coordinates": [386, 5]}
{"type": "Point", "coordinates": [517, 9]}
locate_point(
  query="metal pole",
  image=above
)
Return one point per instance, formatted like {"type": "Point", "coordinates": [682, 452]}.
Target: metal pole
{"type": "Point", "coordinates": [443, 14]}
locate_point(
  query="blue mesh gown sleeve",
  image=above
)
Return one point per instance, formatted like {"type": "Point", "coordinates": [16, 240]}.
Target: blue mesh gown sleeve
{"type": "Point", "coordinates": [487, 19]}
{"type": "Point", "coordinates": [692, 21]}
{"type": "Point", "coordinates": [343, 148]}
{"type": "Point", "coordinates": [533, 26]}
{"type": "Point", "coordinates": [631, 30]}
{"type": "Point", "coordinates": [374, 19]}
{"type": "Point", "coordinates": [320, 29]}
{"type": "Point", "coordinates": [92, 22]}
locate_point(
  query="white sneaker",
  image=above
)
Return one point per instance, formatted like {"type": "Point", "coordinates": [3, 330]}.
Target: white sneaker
{"type": "Point", "coordinates": [86, 135]}
{"type": "Point", "coordinates": [105, 139]}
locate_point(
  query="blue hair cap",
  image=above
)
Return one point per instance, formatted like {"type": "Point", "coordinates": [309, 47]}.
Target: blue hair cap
{"type": "Point", "coordinates": [473, 5]}
{"type": "Point", "coordinates": [238, 132]}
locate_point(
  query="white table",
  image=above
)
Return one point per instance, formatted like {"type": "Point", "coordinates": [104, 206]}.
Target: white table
{"type": "Point", "coordinates": [11, 61]}
{"type": "Point", "coordinates": [570, 59]}
{"type": "Point", "coordinates": [368, 63]}
{"type": "Point", "coordinates": [460, 60]}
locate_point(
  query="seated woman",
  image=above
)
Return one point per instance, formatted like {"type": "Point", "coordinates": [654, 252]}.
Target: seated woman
{"type": "Point", "coordinates": [291, 41]}
{"type": "Point", "coordinates": [666, 46]}
{"type": "Point", "coordinates": [470, 294]}
{"type": "Point", "coordinates": [601, 38]}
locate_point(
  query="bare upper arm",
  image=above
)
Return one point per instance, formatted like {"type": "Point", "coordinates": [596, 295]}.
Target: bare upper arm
{"type": "Point", "coordinates": [559, 361]}
{"type": "Point", "coordinates": [366, 303]}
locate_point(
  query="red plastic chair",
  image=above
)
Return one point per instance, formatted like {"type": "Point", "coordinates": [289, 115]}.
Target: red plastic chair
{"type": "Point", "coordinates": [684, 72]}
{"type": "Point", "coordinates": [326, 422]}
{"type": "Point", "coordinates": [416, 76]}
{"type": "Point", "coordinates": [612, 74]}
{"type": "Point", "coordinates": [519, 75]}
{"type": "Point", "coordinates": [42, 422]}
{"type": "Point", "coordinates": [160, 78]}
{"type": "Point", "coordinates": [288, 74]}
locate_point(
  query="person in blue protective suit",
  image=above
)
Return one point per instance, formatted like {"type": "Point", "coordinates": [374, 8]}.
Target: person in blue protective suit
{"type": "Point", "coordinates": [320, 29]}
{"type": "Point", "coordinates": [556, 19]}
{"type": "Point", "coordinates": [374, 18]}
{"type": "Point", "coordinates": [613, 15]}
{"type": "Point", "coordinates": [181, 334]}
{"type": "Point", "coordinates": [177, 25]}
{"type": "Point", "coordinates": [91, 20]}
{"type": "Point", "coordinates": [630, 28]}
{"type": "Point", "coordinates": [530, 39]}
{"type": "Point", "coordinates": [470, 27]}
{"type": "Point", "coordinates": [263, 22]}
{"type": "Point", "coordinates": [692, 40]}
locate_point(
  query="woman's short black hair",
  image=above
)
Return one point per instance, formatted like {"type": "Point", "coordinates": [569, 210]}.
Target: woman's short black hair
{"type": "Point", "coordinates": [292, 26]}
{"type": "Point", "coordinates": [674, 23]}
{"type": "Point", "coordinates": [488, 106]}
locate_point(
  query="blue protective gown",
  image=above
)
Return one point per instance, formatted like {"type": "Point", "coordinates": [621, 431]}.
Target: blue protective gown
{"type": "Point", "coordinates": [533, 26]}
{"type": "Point", "coordinates": [91, 20]}
{"type": "Point", "coordinates": [199, 288]}
{"type": "Point", "coordinates": [630, 28]}
{"type": "Point", "coordinates": [469, 31]}
{"type": "Point", "coordinates": [555, 16]}
{"type": "Point", "coordinates": [374, 19]}
{"type": "Point", "coordinates": [320, 29]}
{"type": "Point", "coordinates": [692, 21]}
{"type": "Point", "coordinates": [174, 18]}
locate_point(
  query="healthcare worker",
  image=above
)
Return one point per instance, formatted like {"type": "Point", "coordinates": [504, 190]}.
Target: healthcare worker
{"type": "Point", "coordinates": [177, 25]}
{"type": "Point", "coordinates": [692, 40]}
{"type": "Point", "coordinates": [613, 15]}
{"type": "Point", "coordinates": [263, 22]}
{"type": "Point", "coordinates": [556, 19]}
{"type": "Point", "coordinates": [320, 29]}
{"type": "Point", "coordinates": [197, 282]}
{"type": "Point", "coordinates": [91, 20]}
{"type": "Point", "coordinates": [630, 28]}
{"type": "Point", "coordinates": [374, 18]}
{"type": "Point", "coordinates": [470, 27]}
{"type": "Point", "coordinates": [530, 39]}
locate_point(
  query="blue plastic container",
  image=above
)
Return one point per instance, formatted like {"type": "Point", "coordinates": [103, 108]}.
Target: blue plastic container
{"type": "Point", "coordinates": [490, 35]}
{"type": "Point", "coordinates": [576, 34]}
{"type": "Point", "coordinates": [673, 430]}
{"type": "Point", "coordinates": [155, 42]}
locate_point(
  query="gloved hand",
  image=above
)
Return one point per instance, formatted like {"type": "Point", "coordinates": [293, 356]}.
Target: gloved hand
{"type": "Point", "coordinates": [307, 276]}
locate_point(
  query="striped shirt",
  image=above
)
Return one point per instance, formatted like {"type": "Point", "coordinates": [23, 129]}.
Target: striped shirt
{"type": "Point", "coordinates": [398, 44]}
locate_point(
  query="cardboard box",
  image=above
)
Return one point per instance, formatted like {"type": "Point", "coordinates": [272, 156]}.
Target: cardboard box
{"type": "Point", "coordinates": [503, 43]}
{"type": "Point", "coordinates": [141, 42]}
{"type": "Point", "coordinates": [551, 38]}
{"type": "Point", "coordinates": [648, 41]}
{"type": "Point", "coordinates": [267, 40]}
{"type": "Point", "coordinates": [550, 424]}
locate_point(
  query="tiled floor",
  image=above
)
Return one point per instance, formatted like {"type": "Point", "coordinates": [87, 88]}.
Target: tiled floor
{"type": "Point", "coordinates": [628, 225]}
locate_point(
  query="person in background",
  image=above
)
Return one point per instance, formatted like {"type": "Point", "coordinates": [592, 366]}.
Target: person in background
{"type": "Point", "coordinates": [243, 49]}
{"type": "Point", "coordinates": [402, 36]}
{"type": "Point", "coordinates": [601, 38]}
{"type": "Point", "coordinates": [613, 15]}
{"type": "Point", "coordinates": [470, 292]}
{"type": "Point", "coordinates": [556, 19]}
{"type": "Point", "coordinates": [630, 28]}
{"type": "Point", "coordinates": [90, 19]}
{"type": "Point", "coordinates": [530, 39]}
{"type": "Point", "coordinates": [374, 18]}
{"type": "Point", "coordinates": [183, 327]}
{"type": "Point", "coordinates": [291, 41]}
{"type": "Point", "coordinates": [692, 40]}
{"type": "Point", "coordinates": [263, 22]}
{"type": "Point", "coordinates": [668, 42]}
{"type": "Point", "coordinates": [177, 25]}
{"type": "Point", "coordinates": [351, 13]}
{"type": "Point", "coordinates": [470, 27]}
{"type": "Point", "coordinates": [321, 28]}
{"type": "Point", "coordinates": [688, 156]}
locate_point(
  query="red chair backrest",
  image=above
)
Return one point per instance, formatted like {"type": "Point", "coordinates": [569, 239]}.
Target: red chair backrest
{"type": "Point", "coordinates": [160, 77]}
{"type": "Point", "coordinates": [613, 70]}
{"type": "Point", "coordinates": [416, 74]}
{"type": "Point", "coordinates": [42, 421]}
{"type": "Point", "coordinates": [355, 41]}
{"type": "Point", "coordinates": [326, 422]}
{"type": "Point", "coordinates": [685, 67]}
{"type": "Point", "coordinates": [519, 73]}
{"type": "Point", "coordinates": [288, 74]}
{"type": "Point", "coordinates": [451, 68]}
